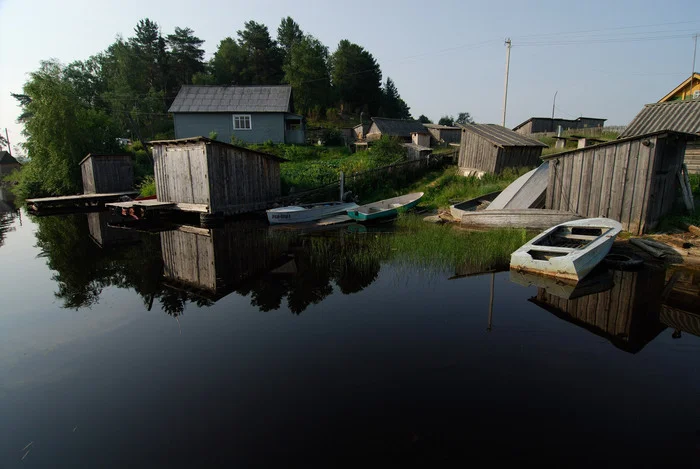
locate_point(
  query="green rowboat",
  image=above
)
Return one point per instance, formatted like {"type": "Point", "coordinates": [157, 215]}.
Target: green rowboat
{"type": "Point", "coordinates": [385, 208]}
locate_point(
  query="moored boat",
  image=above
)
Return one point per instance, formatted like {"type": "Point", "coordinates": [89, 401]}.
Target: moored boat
{"type": "Point", "coordinates": [472, 205]}
{"type": "Point", "coordinates": [307, 213]}
{"type": "Point", "coordinates": [568, 251]}
{"type": "Point", "coordinates": [385, 208]}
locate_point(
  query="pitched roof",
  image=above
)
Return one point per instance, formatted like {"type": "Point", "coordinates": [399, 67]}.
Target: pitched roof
{"type": "Point", "coordinates": [6, 158]}
{"type": "Point", "coordinates": [233, 99]}
{"type": "Point", "coordinates": [681, 116]}
{"type": "Point", "coordinates": [501, 136]}
{"type": "Point", "coordinates": [398, 127]}
{"type": "Point", "coordinates": [558, 119]}
{"type": "Point", "coordinates": [696, 76]}
{"type": "Point", "coordinates": [208, 141]}
{"type": "Point", "coordinates": [441, 127]}
{"type": "Point", "coordinates": [106, 155]}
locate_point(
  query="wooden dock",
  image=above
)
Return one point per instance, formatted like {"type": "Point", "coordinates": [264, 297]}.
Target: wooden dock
{"type": "Point", "coordinates": [140, 209]}
{"type": "Point", "coordinates": [73, 202]}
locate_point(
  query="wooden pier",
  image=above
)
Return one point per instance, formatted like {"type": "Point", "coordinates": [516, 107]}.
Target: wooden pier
{"type": "Point", "coordinates": [72, 203]}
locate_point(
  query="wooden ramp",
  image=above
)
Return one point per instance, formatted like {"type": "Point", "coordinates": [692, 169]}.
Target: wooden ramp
{"type": "Point", "coordinates": [75, 201]}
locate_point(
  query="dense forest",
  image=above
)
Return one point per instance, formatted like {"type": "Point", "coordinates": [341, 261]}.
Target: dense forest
{"type": "Point", "coordinates": [125, 91]}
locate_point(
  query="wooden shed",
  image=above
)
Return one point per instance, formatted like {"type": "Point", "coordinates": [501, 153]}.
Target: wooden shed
{"type": "Point", "coordinates": [631, 180]}
{"type": "Point", "coordinates": [204, 175]}
{"type": "Point", "coordinates": [444, 133]}
{"type": "Point", "coordinates": [491, 148]}
{"type": "Point", "coordinates": [398, 128]}
{"type": "Point", "coordinates": [104, 174]}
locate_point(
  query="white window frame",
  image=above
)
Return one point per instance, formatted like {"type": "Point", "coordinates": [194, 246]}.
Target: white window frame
{"type": "Point", "coordinates": [242, 117]}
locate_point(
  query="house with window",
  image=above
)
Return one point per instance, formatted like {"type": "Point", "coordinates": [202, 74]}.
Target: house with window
{"type": "Point", "coordinates": [253, 114]}
{"type": "Point", "coordinates": [689, 89]}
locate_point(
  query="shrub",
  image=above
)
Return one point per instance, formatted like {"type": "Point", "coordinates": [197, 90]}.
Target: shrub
{"type": "Point", "coordinates": [147, 187]}
{"type": "Point", "coordinates": [332, 137]}
{"type": "Point", "coordinates": [213, 135]}
{"type": "Point", "coordinates": [387, 150]}
{"type": "Point", "coordinates": [238, 142]}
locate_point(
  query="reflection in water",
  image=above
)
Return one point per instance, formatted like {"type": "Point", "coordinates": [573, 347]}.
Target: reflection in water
{"type": "Point", "coordinates": [627, 314]}
{"type": "Point", "coordinates": [680, 310]}
{"type": "Point", "coordinates": [199, 265]}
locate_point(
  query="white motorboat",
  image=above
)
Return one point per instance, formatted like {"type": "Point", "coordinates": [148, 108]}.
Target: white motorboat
{"type": "Point", "coordinates": [307, 213]}
{"type": "Point", "coordinates": [568, 251]}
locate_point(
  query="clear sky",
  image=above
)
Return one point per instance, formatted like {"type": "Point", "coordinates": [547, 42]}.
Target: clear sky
{"type": "Point", "coordinates": [605, 58]}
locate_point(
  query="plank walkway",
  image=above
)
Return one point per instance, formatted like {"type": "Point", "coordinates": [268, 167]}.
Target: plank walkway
{"type": "Point", "coordinates": [79, 200]}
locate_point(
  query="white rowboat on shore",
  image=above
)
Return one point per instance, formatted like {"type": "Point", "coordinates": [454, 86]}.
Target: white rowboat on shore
{"type": "Point", "coordinates": [568, 251]}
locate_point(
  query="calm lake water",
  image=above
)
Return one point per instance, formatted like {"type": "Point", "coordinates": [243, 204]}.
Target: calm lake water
{"type": "Point", "coordinates": [243, 347]}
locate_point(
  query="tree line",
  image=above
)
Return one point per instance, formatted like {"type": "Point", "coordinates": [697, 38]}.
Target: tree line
{"type": "Point", "coordinates": [126, 90]}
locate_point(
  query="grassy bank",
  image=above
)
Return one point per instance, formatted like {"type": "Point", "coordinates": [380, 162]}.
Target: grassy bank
{"type": "Point", "coordinates": [445, 186]}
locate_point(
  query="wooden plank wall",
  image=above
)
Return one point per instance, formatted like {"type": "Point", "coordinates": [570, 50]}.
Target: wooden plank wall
{"type": "Point", "coordinates": [189, 258]}
{"type": "Point", "coordinates": [477, 153]}
{"type": "Point", "coordinates": [627, 314]}
{"type": "Point", "coordinates": [181, 173]}
{"type": "Point", "coordinates": [517, 157]}
{"type": "Point", "coordinates": [692, 157]}
{"type": "Point", "coordinates": [105, 174]}
{"type": "Point", "coordinates": [629, 182]}
{"type": "Point", "coordinates": [220, 258]}
{"type": "Point", "coordinates": [241, 180]}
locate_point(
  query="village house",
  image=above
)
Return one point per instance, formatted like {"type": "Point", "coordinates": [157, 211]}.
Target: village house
{"type": "Point", "coordinates": [253, 114]}
{"type": "Point", "coordinates": [689, 89]}
{"type": "Point", "coordinates": [7, 163]}
{"type": "Point", "coordinates": [399, 128]}
{"type": "Point", "coordinates": [491, 148]}
{"type": "Point", "coordinates": [680, 116]}
{"type": "Point", "coordinates": [546, 124]}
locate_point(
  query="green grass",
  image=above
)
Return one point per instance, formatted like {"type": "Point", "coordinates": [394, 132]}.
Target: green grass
{"type": "Point", "coordinates": [445, 186]}
{"type": "Point", "coordinates": [147, 187]}
{"type": "Point", "coordinates": [571, 145]}
{"type": "Point", "coordinates": [680, 219]}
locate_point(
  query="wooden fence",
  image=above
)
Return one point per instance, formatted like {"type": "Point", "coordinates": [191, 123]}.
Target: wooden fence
{"type": "Point", "coordinates": [394, 175]}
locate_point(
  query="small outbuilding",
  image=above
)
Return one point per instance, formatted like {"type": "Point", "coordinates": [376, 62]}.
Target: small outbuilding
{"type": "Point", "coordinates": [360, 131]}
{"type": "Point", "coordinates": [203, 175]}
{"type": "Point", "coordinates": [444, 133]}
{"type": "Point", "coordinates": [547, 124]}
{"type": "Point", "coordinates": [399, 128]}
{"type": "Point", "coordinates": [104, 174]}
{"type": "Point", "coordinates": [632, 180]}
{"type": "Point", "coordinates": [491, 148]}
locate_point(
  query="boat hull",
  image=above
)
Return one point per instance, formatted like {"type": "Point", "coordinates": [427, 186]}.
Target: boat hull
{"type": "Point", "coordinates": [457, 210]}
{"type": "Point", "coordinates": [565, 263]}
{"type": "Point", "coordinates": [532, 218]}
{"type": "Point", "coordinates": [306, 214]}
{"type": "Point", "coordinates": [366, 214]}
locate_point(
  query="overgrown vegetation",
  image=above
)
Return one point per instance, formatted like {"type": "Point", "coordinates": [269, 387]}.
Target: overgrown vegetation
{"type": "Point", "coordinates": [147, 188]}
{"type": "Point", "coordinates": [680, 218]}
{"type": "Point", "coordinates": [550, 141]}
{"type": "Point", "coordinates": [445, 186]}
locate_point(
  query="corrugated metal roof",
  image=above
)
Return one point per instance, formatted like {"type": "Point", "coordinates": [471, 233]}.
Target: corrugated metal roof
{"type": "Point", "coordinates": [681, 116]}
{"type": "Point", "coordinates": [183, 141]}
{"type": "Point", "coordinates": [398, 127]}
{"type": "Point", "coordinates": [233, 99]}
{"type": "Point", "coordinates": [6, 158]}
{"type": "Point", "coordinates": [501, 136]}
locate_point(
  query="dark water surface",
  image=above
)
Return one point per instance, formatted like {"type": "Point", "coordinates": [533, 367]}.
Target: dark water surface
{"type": "Point", "coordinates": [239, 347]}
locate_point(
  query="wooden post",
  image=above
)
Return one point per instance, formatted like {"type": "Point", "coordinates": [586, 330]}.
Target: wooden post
{"type": "Point", "coordinates": [342, 185]}
{"type": "Point", "coordinates": [493, 278]}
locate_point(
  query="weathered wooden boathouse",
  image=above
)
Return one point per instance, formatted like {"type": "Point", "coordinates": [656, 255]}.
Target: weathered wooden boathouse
{"type": "Point", "coordinates": [207, 176]}
{"type": "Point", "coordinates": [103, 174]}
{"type": "Point", "coordinates": [491, 148]}
{"type": "Point", "coordinates": [632, 180]}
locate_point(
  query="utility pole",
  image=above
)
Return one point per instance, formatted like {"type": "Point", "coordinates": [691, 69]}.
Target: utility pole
{"type": "Point", "coordinates": [692, 72]}
{"type": "Point", "coordinates": [7, 139]}
{"type": "Point", "coordinates": [505, 90]}
{"type": "Point", "coordinates": [554, 102]}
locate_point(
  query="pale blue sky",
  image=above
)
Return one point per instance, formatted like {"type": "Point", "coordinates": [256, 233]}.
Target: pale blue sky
{"type": "Point", "coordinates": [445, 56]}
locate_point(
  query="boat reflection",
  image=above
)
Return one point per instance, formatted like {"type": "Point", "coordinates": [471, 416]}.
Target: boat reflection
{"type": "Point", "coordinates": [625, 313]}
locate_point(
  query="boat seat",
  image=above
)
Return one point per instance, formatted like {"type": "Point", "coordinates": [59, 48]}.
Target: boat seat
{"type": "Point", "coordinates": [394, 205]}
{"type": "Point", "coordinates": [536, 247]}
